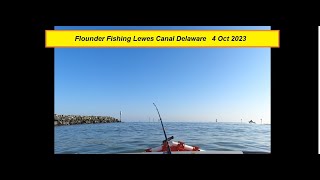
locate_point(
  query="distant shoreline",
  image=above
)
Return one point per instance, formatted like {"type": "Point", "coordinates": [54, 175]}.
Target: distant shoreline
{"type": "Point", "coordinates": [62, 120]}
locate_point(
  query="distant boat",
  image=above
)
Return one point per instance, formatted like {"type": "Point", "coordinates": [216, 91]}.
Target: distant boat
{"type": "Point", "coordinates": [251, 122]}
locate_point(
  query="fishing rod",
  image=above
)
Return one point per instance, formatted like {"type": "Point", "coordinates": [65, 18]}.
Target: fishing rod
{"type": "Point", "coordinates": [165, 135]}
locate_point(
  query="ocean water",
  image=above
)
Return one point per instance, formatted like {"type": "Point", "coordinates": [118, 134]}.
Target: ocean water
{"type": "Point", "coordinates": [132, 137]}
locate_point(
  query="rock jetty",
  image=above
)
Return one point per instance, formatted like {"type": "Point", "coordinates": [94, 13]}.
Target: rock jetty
{"type": "Point", "coordinates": [60, 120]}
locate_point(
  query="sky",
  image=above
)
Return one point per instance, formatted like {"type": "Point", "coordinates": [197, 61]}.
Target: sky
{"type": "Point", "coordinates": [186, 84]}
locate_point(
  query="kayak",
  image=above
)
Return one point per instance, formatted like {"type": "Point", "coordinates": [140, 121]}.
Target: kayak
{"type": "Point", "coordinates": [174, 146]}
{"type": "Point", "coordinates": [204, 152]}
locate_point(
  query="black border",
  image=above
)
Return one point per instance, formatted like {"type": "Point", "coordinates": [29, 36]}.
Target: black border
{"type": "Point", "coordinates": [294, 109]}
{"type": "Point", "coordinates": [294, 86]}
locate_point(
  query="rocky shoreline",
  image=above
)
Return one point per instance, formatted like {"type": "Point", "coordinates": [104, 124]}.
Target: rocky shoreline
{"type": "Point", "coordinates": [60, 120]}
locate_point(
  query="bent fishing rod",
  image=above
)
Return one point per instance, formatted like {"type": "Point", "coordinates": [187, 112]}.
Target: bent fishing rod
{"type": "Point", "coordinates": [165, 135]}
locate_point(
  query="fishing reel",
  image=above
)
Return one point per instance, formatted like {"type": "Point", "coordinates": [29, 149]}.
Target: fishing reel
{"type": "Point", "coordinates": [169, 139]}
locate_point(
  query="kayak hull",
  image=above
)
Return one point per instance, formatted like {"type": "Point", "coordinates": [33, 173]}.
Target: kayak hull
{"type": "Point", "coordinates": [204, 152]}
{"type": "Point", "coordinates": [174, 147]}
{"type": "Point", "coordinates": [194, 152]}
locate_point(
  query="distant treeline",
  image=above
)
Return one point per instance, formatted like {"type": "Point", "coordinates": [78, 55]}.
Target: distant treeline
{"type": "Point", "coordinates": [60, 120]}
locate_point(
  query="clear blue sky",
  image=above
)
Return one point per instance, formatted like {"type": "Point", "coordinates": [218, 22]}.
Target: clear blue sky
{"type": "Point", "coordinates": [187, 84]}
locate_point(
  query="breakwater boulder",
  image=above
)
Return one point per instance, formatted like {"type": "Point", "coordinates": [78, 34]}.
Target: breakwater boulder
{"type": "Point", "coordinates": [60, 120]}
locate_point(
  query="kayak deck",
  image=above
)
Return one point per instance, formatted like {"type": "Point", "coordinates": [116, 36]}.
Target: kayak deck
{"type": "Point", "coordinates": [174, 147]}
{"type": "Point", "coordinates": [196, 152]}
{"type": "Point", "coordinates": [204, 152]}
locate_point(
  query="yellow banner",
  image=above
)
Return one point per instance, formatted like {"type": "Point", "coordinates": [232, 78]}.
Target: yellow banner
{"type": "Point", "coordinates": [162, 38]}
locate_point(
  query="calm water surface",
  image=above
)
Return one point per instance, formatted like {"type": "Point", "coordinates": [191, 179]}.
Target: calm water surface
{"type": "Point", "coordinates": [128, 137]}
